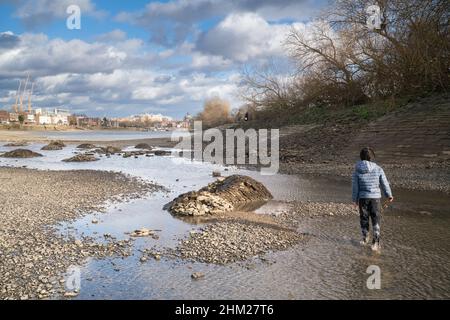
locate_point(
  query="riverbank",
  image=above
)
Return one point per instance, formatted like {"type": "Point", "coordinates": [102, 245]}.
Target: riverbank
{"type": "Point", "coordinates": [33, 256]}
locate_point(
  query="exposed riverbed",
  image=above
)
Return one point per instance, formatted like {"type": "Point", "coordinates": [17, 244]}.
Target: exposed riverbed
{"type": "Point", "coordinates": [414, 261]}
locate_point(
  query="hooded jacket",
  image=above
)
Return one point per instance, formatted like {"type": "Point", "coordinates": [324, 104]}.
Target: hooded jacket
{"type": "Point", "coordinates": [367, 179]}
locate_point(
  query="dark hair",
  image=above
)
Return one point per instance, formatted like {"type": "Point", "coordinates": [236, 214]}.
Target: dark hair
{"type": "Point", "coordinates": [367, 154]}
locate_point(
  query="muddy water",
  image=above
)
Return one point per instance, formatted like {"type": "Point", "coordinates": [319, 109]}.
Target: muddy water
{"type": "Point", "coordinates": [414, 262]}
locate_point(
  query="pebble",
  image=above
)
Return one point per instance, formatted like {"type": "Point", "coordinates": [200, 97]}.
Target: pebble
{"type": "Point", "coordinates": [197, 275]}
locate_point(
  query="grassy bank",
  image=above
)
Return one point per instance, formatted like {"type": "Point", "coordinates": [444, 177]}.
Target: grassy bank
{"type": "Point", "coordinates": [277, 116]}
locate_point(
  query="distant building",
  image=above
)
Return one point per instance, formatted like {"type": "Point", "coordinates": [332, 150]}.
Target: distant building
{"type": "Point", "coordinates": [4, 116]}
{"type": "Point", "coordinates": [88, 122]}
{"type": "Point", "coordinates": [13, 117]}
{"type": "Point", "coordinates": [52, 116]}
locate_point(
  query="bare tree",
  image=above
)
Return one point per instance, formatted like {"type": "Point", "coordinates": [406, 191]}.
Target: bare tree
{"type": "Point", "coordinates": [266, 84]}
{"type": "Point", "coordinates": [216, 111]}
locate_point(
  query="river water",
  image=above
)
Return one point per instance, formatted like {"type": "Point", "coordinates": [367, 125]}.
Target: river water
{"type": "Point", "coordinates": [414, 262]}
{"type": "Point", "coordinates": [107, 135]}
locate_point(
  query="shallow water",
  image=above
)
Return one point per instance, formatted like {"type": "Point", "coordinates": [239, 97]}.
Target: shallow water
{"type": "Point", "coordinates": [414, 261]}
{"type": "Point", "coordinates": [106, 135]}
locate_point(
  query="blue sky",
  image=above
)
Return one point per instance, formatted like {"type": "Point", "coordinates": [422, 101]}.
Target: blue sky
{"type": "Point", "coordinates": [140, 56]}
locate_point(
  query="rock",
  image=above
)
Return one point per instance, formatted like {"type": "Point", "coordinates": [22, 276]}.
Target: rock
{"type": "Point", "coordinates": [220, 196]}
{"type": "Point", "coordinates": [86, 146]}
{"type": "Point", "coordinates": [54, 145]}
{"type": "Point", "coordinates": [21, 153]}
{"type": "Point", "coordinates": [216, 174]}
{"type": "Point", "coordinates": [94, 221]}
{"type": "Point", "coordinates": [143, 259]}
{"type": "Point", "coordinates": [17, 144]}
{"type": "Point", "coordinates": [70, 294]}
{"type": "Point", "coordinates": [109, 150]}
{"type": "Point", "coordinates": [81, 158]}
{"type": "Point", "coordinates": [162, 153]}
{"type": "Point", "coordinates": [144, 232]}
{"type": "Point", "coordinates": [197, 275]}
{"type": "Point", "coordinates": [143, 146]}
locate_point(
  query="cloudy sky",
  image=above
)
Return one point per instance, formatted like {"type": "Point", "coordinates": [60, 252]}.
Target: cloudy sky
{"type": "Point", "coordinates": [138, 56]}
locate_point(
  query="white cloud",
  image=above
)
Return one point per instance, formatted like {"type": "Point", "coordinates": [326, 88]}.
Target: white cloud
{"type": "Point", "coordinates": [87, 76]}
{"type": "Point", "coordinates": [114, 35]}
{"type": "Point", "coordinates": [244, 36]}
{"type": "Point", "coordinates": [171, 22]}
{"type": "Point", "coordinates": [40, 56]}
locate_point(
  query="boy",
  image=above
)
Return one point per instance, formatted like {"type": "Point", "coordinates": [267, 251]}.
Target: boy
{"type": "Point", "coordinates": [366, 194]}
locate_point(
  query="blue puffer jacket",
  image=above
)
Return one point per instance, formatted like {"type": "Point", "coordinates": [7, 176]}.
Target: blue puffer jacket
{"type": "Point", "coordinates": [366, 181]}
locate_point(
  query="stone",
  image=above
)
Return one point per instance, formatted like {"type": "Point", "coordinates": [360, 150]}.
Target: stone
{"type": "Point", "coordinates": [54, 145]}
{"type": "Point", "coordinates": [70, 294]}
{"type": "Point", "coordinates": [220, 196]}
{"type": "Point", "coordinates": [143, 146]}
{"type": "Point", "coordinates": [109, 150]}
{"type": "Point", "coordinates": [86, 146]}
{"type": "Point", "coordinates": [197, 275]}
{"type": "Point", "coordinates": [17, 144]}
{"type": "Point", "coordinates": [144, 232]}
{"type": "Point", "coordinates": [21, 153]}
{"type": "Point", "coordinates": [81, 158]}
{"type": "Point", "coordinates": [162, 153]}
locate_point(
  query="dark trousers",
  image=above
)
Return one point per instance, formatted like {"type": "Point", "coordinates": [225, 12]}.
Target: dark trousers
{"type": "Point", "coordinates": [370, 209]}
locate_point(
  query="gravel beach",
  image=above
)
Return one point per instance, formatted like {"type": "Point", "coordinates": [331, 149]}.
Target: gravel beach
{"type": "Point", "coordinates": [33, 256]}
{"type": "Point", "coordinates": [231, 241]}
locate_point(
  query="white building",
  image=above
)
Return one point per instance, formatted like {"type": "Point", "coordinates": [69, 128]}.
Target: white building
{"type": "Point", "coordinates": [53, 117]}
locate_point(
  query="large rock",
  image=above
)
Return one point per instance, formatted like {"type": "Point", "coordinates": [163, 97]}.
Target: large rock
{"type": "Point", "coordinates": [162, 153]}
{"type": "Point", "coordinates": [143, 146]}
{"type": "Point", "coordinates": [21, 153]}
{"type": "Point", "coordinates": [231, 193]}
{"type": "Point", "coordinates": [54, 145]}
{"type": "Point", "coordinates": [109, 150]}
{"type": "Point", "coordinates": [86, 146]}
{"type": "Point", "coordinates": [82, 158]}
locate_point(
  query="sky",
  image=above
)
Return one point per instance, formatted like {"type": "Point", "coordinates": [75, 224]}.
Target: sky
{"type": "Point", "coordinates": [134, 57]}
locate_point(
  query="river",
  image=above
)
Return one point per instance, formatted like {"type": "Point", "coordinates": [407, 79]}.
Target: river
{"type": "Point", "coordinates": [414, 261]}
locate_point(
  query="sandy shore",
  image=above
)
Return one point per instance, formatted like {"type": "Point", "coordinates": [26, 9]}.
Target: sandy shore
{"type": "Point", "coordinates": [33, 256]}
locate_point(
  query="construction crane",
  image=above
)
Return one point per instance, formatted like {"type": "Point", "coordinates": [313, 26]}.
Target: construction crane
{"type": "Point", "coordinates": [16, 110]}
{"type": "Point", "coordinates": [24, 89]}
{"type": "Point", "coordinates": [29, 98]}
